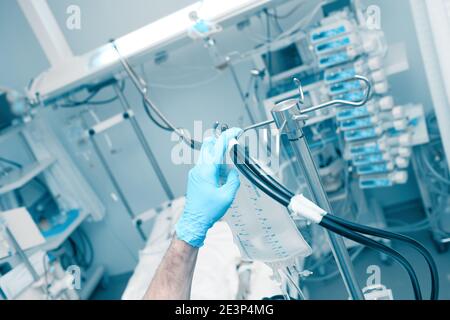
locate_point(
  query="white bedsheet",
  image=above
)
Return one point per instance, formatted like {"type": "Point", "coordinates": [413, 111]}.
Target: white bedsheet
{"type": "Point", "coordinates": [216, 276]}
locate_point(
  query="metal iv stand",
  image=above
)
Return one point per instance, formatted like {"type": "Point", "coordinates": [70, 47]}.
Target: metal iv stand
{"type": "Point", "coordinates": [290, 118]}
{"type": "Point", "coordinates": [18, 249]}
{"type": "Point", "coordinates": [129, 116]}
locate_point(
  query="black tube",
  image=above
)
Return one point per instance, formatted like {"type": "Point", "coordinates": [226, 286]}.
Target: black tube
{"type": "Point", "coordinates": [261, 174]}
{"type": "Point", "coordinates": [270, 186]}
{"type": "Point", "coordinates": [153, 119]}
{"type": "Point", "coordinates": [238, 159]}
{"type": "Point", "coordinates": [255, 166]}
{"type": "Point", "coordinates": [93, 93]}
{"type": "Point", "coordinates": [333, 226]}
{"type": "Point", "coordinates": [407, 240]}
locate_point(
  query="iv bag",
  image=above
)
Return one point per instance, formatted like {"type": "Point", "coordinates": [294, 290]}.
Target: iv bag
{"type": "Point", "coordinates": [263, 229]}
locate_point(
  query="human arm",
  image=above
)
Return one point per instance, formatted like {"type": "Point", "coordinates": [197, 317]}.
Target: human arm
{"type": "Point", "coordinates": [207, 201]}
{"type": "Point", "coordinates": [173, 278]}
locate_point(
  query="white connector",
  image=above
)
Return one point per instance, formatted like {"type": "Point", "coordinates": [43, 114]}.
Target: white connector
{"type": "Point", "coordinates": [304, 208]}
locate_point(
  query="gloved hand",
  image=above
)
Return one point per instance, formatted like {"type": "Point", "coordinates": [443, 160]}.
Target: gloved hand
{"type": "Point", "coordinates": [207, 201]}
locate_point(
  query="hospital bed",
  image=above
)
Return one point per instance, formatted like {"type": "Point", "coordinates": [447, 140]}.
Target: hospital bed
{"type": "Point", "coordinates": [220, 273]}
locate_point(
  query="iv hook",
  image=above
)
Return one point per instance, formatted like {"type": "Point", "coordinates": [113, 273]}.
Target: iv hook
{"type": "Point", "coordinates": [344, 102]}
{"type": "Point", "coordinates": [300, 90]}
{"type": "Point", "coordinates": [323, 105]}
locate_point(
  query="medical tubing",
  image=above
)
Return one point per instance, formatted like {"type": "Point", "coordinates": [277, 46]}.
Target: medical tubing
{"type": "Point", "coordinates": [269, 177]}
{"type": "Point", "coordinates": [152, 119]}
{"type": "Point", "coordinates": [407, 240]}
{"type": "Point", "coordinates": [139, 84]}
{"type": "Point", "coordinates": [260, 174]}
{"type": "Point", "coordinates": [255, 179]}
{"type": "Point", "coordinates": [430, 167]}
{"type": "Point", "coordinates": [248, 166]}
{"type": "Point", "coordinates": [255, 174]}
{"type": "Point", "coordinates": [246, 172]}
{"type": "Point", "coordinates": [88, 100]}
{"type": "Point", "coordinates": [336, 228]}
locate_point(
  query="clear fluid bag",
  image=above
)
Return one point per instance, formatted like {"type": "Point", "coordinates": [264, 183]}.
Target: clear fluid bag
{"type": "Point", "coordinates": [264, 230]}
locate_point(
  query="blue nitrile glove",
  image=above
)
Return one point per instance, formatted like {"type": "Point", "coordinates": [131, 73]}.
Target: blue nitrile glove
{"type": "Point", "coordinates": [207, 201]}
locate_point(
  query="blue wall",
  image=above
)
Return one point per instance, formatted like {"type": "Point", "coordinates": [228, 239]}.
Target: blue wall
{"type": "Point", "coordinates": [21, 57]}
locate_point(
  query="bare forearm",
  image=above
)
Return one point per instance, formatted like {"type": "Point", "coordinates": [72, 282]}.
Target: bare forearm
{"type": "Point", "coordinates": [173, 279]}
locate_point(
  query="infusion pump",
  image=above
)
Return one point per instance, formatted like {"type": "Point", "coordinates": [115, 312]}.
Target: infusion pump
{"type": "Point", "coordinates": [377, 138]}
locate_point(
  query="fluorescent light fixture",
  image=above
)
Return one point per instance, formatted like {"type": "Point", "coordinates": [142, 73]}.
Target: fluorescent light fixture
{"type": "Point", "coordinates": [101, 62]}
{"type": "Point", "coordinates": [171, 27]}
{"type": "Point", "coordinates": [215, 10]}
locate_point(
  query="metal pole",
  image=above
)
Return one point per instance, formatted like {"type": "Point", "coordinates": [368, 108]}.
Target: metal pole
{"type": "Point", "coordinates": [241, 93]}
{"type": "Point", "coordinates": [21, 253]}
{"type": "Point", "coordinates": [286, 115]}
{"type": "Point", "coordinates": [47, 30]}
{"type": "Point", "coordinates": [148, 151]}
{"type": "Point", "coordinates": [113, 179]}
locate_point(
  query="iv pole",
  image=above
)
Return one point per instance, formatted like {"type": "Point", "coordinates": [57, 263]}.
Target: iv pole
{"type": "Point", "coordinates": [290, 117]}
{"type": "Point", "coordinates": [285, 115]}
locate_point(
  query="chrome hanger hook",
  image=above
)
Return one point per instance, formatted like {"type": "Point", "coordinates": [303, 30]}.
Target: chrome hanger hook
{"type": "Point", "coordinates": [339, 102]}
{"type": "Point", "coordinates": [298, 83]}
